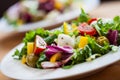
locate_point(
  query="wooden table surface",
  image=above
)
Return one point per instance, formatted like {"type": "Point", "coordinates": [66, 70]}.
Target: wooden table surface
{"type": "Point", "coordinates": [106, 10]}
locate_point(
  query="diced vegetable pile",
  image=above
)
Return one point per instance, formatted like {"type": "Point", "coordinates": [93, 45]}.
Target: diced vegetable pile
{"type": "Point", "coordinates": [82, 40]}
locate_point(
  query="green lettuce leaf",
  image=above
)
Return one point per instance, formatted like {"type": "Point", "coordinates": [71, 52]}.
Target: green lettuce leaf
{"type": "Point", "coordinates": [84, 17]}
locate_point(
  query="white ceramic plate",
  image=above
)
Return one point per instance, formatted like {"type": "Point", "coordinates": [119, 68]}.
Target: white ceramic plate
{"type": "Point", "coordinates": [15, 69]}
{"type": "Point", "coordinates": [86, 4]}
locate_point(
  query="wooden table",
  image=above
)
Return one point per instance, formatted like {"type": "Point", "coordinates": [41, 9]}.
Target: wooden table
{"type": "Point", "coordinates": [106, 10]}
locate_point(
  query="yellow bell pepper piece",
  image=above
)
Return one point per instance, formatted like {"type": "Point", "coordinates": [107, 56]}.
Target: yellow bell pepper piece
{"type": "Point", "coordinates": [23, 59]}
{"type": "Point", "coordinates": [74, 27]}
{"type": "Point", "coordinates": [55, 57]}
{"type": "Point", "coordinates": [30, 47]}
{"type": "Point", "coordinates": [58, 5]}
{"type": "Point", "coordinates": [65, 28]}
{"type": "Point", "coordinates": [83, 42]}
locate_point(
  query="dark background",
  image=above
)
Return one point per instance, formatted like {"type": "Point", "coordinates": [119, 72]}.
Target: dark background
{"type": "Point", "coordinates": [5, 4]}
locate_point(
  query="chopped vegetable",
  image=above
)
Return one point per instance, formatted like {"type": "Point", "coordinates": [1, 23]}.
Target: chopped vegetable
{"type": "Point", "coordinates": [83, 42]}
{"type": "Point", "coordinates": [74, 27]}
{"type": "Point", "coordinates": [50, 39]}
{"type": "Point", "coordinates": [23, 59]}
{"type": "Point", "coordinates": [40, 45]}
{"type": "Point", "coordinates": [103, 26]}
{"type": "Point", "coordinates": [58, 5]}
{"type": "Point", "coordinates": [84, 28]}
{"type": "Point", "coordinates": [30, 47]}
{"type": "Point", "coordinates": [50, 65]}
{"type": "Point", "coordinates": [50, 51]}
{"type": "Point", "coordinates": [65, 28]}
{"type": "Point", "coordinates": [101, 40]}
{"type": "Point", "coordinates": [31, 60]}
{"type": "Point", "coordinates": [84, 17]}
{"type": "Point", "coordinates": [80, 55]}
{"type": "Point", "coordinates": [98, 49]}
{"type": "Point", "coordinates": [42, 58]}
{"type": "Point", "coordinates": [113, 36]}
{"type": "Point", "coordinates": [65, 40]}
{"type": "Point", "coordinates": [65, 51]}
{"type": "Point", "coordinates": [55, 57]}
{"type": "Point", "coordinates": [92, 57]}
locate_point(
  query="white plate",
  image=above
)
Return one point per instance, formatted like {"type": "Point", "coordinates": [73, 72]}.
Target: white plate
{"type": "Point", "coordinates": [86, 4]}
{"type": "Point", "coordinates": [15, 69]}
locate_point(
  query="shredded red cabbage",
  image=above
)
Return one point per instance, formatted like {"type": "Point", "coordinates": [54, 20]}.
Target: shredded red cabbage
{"type": "Point", "coordinates": [66, 52]}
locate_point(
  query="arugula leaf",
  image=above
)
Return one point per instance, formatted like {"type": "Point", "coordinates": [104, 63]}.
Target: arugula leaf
{"type": "Point", "coordinates": [98, 49]}
{"type": "Point", "coordinates": [80, 55]}
{"type": "Point", "coordinates": [19, 54]}
{"type": "Point", "coordinates": [117, 19]}
{"type": "Point", "coordinates": [98, 29]}
{"type": "Point", "coordinates": [84, 17]}
{"type": "Point", "coordinates": [104, 26]}
{"type": "Point", "coordinates": [16, 53]}
{"type": "Point", "coordinates": [117, 23]}
{"type": "Point", "coordinates": [92, 57]}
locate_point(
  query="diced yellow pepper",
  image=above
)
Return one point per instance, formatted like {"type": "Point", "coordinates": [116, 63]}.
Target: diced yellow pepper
{"type": "Point", "coordinates": [23, 59]}
{"type": "Point", "coordinates": [55, 57]}
{"type": "Point", "coordinates": [83, 42]}
{"type": "Point", "coordinates": [65, 28]}
{"type": "Point", "coordinates": [74, 27]}
{"type": "Point", "coordinates": [58, 5]}
{"type": "Point", "coordinates": [30, 47]}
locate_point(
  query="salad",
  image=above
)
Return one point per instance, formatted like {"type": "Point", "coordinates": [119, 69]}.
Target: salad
{"type": "Point", "coordinates": [82, 40]}
{"type": "Point", "coordinates": [27, 11]}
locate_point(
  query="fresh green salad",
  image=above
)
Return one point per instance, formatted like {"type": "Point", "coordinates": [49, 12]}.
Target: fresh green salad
{"type": "Point", "coordinates": [82, 40]}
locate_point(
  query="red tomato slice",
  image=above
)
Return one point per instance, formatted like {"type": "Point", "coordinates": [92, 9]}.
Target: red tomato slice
{"type": "Point", "coordinates": [91, 20]}
{"type": "Point", "coordinates": [40, 45]}
{"type": "Point", "coordinates": [84, 28]}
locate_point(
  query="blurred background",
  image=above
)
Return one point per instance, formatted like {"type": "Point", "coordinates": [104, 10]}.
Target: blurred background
{"type": "Point", "coordinates": [5, 4]}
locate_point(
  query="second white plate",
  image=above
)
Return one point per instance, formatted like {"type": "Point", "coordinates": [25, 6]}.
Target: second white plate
{"type": "Point", "coordinates": [86, 4]}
